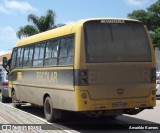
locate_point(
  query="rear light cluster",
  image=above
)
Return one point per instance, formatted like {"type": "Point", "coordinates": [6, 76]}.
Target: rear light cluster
{"type": "Point", "coordinates": [83, 77]}
{"type": "Point", "coordinates": [4, 84]}
{"type": "Point", "coordinates": [153, 75]}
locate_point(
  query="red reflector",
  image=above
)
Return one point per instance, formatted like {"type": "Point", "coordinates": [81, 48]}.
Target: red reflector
{"type": "Point", "coordinates": [4, 84]}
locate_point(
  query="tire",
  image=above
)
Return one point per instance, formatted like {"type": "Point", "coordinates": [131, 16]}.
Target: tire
{"type": "Point", "coordinates": [15, 101]}
{"type": "Point", "coordinates": [51, 115]}
{"type": "Point", "coordinates": [4, 99]}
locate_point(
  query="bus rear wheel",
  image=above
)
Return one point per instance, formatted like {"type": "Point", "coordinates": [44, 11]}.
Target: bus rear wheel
{"type": "Point", "coordinates": [14, 100]}
{"type": "Point", "coordinates": [51, 114]}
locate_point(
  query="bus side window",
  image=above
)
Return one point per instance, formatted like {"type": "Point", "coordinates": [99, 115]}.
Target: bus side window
{"type": "Point", "coordinates": [14, 56]}
{"type": "Point", "coordinates": [19, 57]}
{"type": "Point", "coordinates": [38, 55]}
{"type": "Point", "coordinates": [66, 51]}
{"type": "Point", "coordinates": [41, 52]}
{"type": "Point", "coordinates": [63, 48]}
{"type": "Point", "coordinates": [51, 53]}
{"type": "Point", "coordinates": [55, 49]}
{"type": "Point", "coordinates": [28, 54]}
{"type": "Point", "coordinates": [70, 50]}
{"type": "Point", "coordinates": [63, 52]}
{"type": "Point", "coordinates": [70, 42]}
{"type": "Point", "coordinates": [49, 49]}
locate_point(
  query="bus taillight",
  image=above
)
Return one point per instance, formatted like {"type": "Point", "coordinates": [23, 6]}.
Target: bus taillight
{"type": "Point", "coordinates": [153, 75]}
{"type": "Point", "coordinates": [83, 77]}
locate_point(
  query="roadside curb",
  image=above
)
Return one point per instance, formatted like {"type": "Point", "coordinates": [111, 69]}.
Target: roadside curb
{"type": "Point", "coordinates": [8, 115]}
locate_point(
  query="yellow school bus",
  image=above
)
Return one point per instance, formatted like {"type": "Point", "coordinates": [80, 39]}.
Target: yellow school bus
{"type": "Point", "coordinates": [99, 67]}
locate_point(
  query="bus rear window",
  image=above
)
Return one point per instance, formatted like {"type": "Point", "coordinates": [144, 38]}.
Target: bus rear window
{"type": "Point", "coordinates": [116, 42]}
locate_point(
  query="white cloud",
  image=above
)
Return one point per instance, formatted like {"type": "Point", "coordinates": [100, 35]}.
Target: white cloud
{"type": "Point", "coordinates": [8, 39]}
{"type": "Point", "coordinates": [13, 7]}
{"type": "Point", "coordinates": [136, 2]}
{"type": "Point", "coordinates": [3, 10]}
{"type": "Point", "coordinates": [7, 34]}
{"type": "Point", "coordinates": [139, 2]}
{"type": "Point", "coordinates": [21, 6]}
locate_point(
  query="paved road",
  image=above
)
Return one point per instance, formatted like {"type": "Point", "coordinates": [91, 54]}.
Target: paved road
{"type": "Point", "coordinates": [84, 124]}
{"type": "Point", "coordinates": [152, 115]}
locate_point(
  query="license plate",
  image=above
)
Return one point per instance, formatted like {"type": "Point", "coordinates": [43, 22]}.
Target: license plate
{"type": "Point", "coordinates": [119, 105]}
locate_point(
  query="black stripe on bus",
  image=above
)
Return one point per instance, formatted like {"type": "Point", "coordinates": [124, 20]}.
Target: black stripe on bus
{"type": "Point", "coordinates": [49, 77]}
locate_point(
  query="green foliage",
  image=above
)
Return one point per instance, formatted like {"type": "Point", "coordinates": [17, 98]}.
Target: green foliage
{"type": "Point", "coordinates": [151, 18]}
{"type": "Point", "coordinates": [142, 16]}
{"type": "Point", "coordinates": [39, 24]}
{"type": "Point", "coordinates": [156, 37]}
{"type": "Point", "coordinates": [27, 30]}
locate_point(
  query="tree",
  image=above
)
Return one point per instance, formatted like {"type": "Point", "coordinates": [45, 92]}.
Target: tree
{"type": "Point", "coordinates": [151, 18]}
{"type": "Point", "coordinates": [156, 38]}
{"type": "Point", "coordinates": [39, 24]}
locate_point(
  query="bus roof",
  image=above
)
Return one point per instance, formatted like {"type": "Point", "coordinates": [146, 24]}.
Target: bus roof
{"type": "Point", "coordinates": [61, 31]}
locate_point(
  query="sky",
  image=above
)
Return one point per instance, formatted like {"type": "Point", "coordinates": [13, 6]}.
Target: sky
{"type": "Point", "coordinates": [13, 13]}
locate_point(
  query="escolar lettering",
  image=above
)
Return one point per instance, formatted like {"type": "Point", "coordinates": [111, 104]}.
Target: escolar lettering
{"type": "Point", "coordinates": [47, 76]}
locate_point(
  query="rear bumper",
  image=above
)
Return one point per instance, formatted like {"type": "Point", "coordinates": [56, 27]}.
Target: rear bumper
{"type": "Point", "coordinates": [115, 105]}
{"type": "Point", "coordinates": [5, 92]}
{"type": "Point", "coordinates": [86, 104]}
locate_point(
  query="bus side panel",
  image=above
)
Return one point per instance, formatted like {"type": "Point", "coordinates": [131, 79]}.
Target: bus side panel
{"type": "Point", "coordinates": [31, 85]}
{"type": "Point", "coordinates": [13, 84]}
{"type": "Point", "coordinates": [61, 99]}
